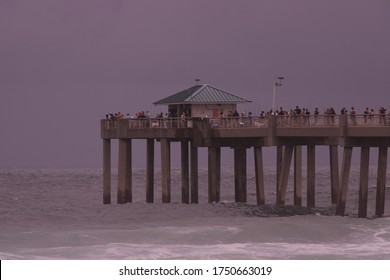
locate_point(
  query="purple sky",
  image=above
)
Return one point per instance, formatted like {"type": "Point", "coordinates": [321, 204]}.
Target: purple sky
{"type": "Point", "coordinates": [65, 63]}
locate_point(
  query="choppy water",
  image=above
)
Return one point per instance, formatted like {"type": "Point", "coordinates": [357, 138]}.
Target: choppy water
{"type": "Point", "coordinates": [58, 214]}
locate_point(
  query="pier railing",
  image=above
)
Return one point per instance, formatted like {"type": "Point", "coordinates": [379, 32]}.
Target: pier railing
{"type": "Point", "coordinates": [239, 122]}
{"type": "Point", "coordinates": [254, 122]}
{"type": "Point", "coordinates": [369, 120]}
{"type": "Point", "coordinates": [301, 121]}
{"type": "Point", "coordinates": [315, 121]}
{"type": "Point", "coordinates": [145, 123]}
{"type": "Point", "coordinates": [281, 121]}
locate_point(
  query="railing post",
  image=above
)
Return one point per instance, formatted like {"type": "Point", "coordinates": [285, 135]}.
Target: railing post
{"type": "Point", "coordinates": [343, 125]}
{"type": "Point", "coordinates": [271, 141]}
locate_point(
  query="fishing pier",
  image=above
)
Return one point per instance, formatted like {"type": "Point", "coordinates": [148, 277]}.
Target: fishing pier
{"type": "Point", "coordinates": [202, 117]}
{"type": "Point", "coordinates": [288, 134]}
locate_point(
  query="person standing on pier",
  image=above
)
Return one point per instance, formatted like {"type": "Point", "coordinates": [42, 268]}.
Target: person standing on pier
{"type": "Point", "coordinates": [353, 115]}
{"type": "Point", "coordinates": [316, 113]}
{"type": "Point", "coordinates": [382, 113]}
{"type": "Point", "coordinates": [366, 114]}
{"type": "Point", "coordinates": [297, 114]}
{"type": "Point", "coordinates": [332, 114]}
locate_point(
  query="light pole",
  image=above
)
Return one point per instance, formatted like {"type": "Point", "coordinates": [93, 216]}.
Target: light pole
{"type": "Point", "coordinates": [276, 84]}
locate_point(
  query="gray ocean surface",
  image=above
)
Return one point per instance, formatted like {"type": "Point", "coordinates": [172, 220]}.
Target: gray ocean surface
{"type": "Point", "coordinates": [58, 214]}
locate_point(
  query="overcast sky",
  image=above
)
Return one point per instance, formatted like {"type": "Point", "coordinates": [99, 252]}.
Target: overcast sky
{"type": "Point", "coordinates": [65, 63]}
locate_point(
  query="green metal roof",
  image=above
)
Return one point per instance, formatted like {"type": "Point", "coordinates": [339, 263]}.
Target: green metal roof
{"type": "Point", "coordinates": [201, 94]}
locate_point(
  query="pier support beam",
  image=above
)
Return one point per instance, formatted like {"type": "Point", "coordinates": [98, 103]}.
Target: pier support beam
{"type": "Point", "coordinates": [279, 161]}
{"type": "Point", "coordinates": [214, 173]}
{"type": "Point", "coordinates": [283, 180]}
{"type": "Point", "coordinates": [107, 171]}
{"type": "Point", "coordinates": [363, 181]}
{"type": "Point", "coordinates": [124, 172]}
{"type": "Point", "coordinates": [311, 177]}
{"type": "Point", "coordinates": [166, 170]}
{"type": "Point", "coordinates": [381, 182]}
{"type": "Point", "coordinates": [259, 174]}
{"type": "Point", "coordinates": [240, 175]}
{"type": "Point", "coordinates": [346, 168]}
{"type": "Point", "coordinates": [194, 173]}
{"type": "Point", "coordinates": [334, 173]}
{"type": "Point", "coordinates": [185, 174]}
{"type": "Point", "coordinates": [150, 170]}
{"type": "Point", "coordinates": [298, 175]}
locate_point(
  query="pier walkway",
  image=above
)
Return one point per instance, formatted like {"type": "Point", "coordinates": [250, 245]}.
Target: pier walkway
{"type": "Point", "coordinates": [287, 133]}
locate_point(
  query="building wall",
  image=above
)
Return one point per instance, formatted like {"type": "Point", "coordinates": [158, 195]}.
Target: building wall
{"type": "Point", "coordinates": [211, 110]}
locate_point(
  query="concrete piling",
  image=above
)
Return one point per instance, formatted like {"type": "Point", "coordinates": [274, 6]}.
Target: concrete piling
{"type": "Point", "coordinates": [311, 176]}
{"type": "Point", "coordinates": [166, 170]}
{"type": "Point", "coordinates": [334, 173]}
{"type": "Point", "coordinates": [185, 173]}
{"type": "Point", "coordinates": [345, 171]}
{"type": "Point", "coordinates": [124, 172]}
{"type": "Point", "coordinates": [106, 171]}
{"type": "Point", "coordinates": [259, 174]}
{"type": "Point", "coordinates": [381, 182]}
{"type": "Point", "coordinates": [194, 173]}
{"type": "Point", "coordinates": [240, 175]}
{"type": "Point", "coordinates": [214, 173]}
{"type": "Point", "coordinates": [298, 175]}
{"type": "Point", "coordinates": [150, 170]}
{"type": "Point", "coordinates": [363, 181]}
{"type": "Point", "coordinates": [279, 164]}
{"type": "Point", "coordinates": [284, 173]}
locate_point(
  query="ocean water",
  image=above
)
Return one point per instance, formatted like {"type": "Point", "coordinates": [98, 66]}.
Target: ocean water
{"type": "Point", "coordinates": [58, 214]}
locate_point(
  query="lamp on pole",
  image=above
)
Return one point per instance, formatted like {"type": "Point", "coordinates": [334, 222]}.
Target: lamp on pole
{"type": "Point", "coordinates": [276, 84]}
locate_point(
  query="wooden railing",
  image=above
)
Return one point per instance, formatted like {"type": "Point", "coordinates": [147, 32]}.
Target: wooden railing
{"type": "Point", "coordinates": [255, 122]}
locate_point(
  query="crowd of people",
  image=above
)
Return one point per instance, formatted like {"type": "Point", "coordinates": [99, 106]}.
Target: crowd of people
{"type": "Point", "coordinates": [297, 111]}
{"type": "Point", "coordinates": [141, 115]}
{"type": "Point", "coordinates": [120, 115]}
{"type": "Point", "coordinates": [144, 119]}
